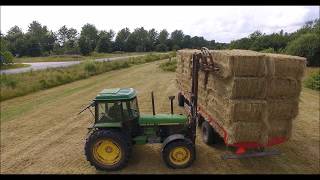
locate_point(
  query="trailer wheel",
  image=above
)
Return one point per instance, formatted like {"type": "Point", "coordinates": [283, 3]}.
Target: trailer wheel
{"type": "Point", "coordinates": [207, 133]}
{"type": "Point", "coordinates": [108, 150]}
{"type": "Point", "coordinates": [180, 100]}
{"type": "Point", "coordinates": [200, 120]}
{"type": "Point", "coordinates": [179, 154]}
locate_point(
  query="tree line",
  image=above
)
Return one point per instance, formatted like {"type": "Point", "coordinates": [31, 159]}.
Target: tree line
{"type": "Point", "coordinates": [304, 42]}
{"type": "Point", "coordinates": [40, 41]}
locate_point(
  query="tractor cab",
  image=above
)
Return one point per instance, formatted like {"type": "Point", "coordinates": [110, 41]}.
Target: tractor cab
{"type": "Point", "coordinates": [117, 108]}
{"type": "Point", "coordinates": [116, 105]}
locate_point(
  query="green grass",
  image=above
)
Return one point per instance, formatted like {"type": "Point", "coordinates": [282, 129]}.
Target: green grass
{"type": "Point", "coordinates": [58, 58]}
{"type": "Point", "coordinates": [13, 66]}
{"type": "Point", "coordinates": [13, 85]}
{"type": "Point", "coordinates": [170, 65]}
{"type": "Point", "coordinates": [312, 79]}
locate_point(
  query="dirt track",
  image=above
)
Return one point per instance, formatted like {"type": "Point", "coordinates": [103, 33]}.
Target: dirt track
{"type": "Point", "coordinates": [41, 133]}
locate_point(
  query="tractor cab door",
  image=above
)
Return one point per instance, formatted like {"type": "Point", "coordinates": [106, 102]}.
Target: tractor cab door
{"type": "Point", "coordinates": [131, 116]}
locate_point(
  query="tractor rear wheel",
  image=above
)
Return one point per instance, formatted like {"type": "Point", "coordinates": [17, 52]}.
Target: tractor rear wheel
{"type": "Point", "coordinates": [180, 100]}
{"type": "Point", "coordinates": [108, 150]}
{"type": "Point", "coordinates": [179, 154]}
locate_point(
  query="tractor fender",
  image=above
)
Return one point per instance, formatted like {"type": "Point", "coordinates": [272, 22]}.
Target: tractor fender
{"type": "Point", "coordinates": [171, 138]}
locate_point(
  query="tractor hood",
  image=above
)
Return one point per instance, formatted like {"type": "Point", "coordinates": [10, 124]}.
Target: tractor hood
{"type": "Point", "coordinates": [162, 119]}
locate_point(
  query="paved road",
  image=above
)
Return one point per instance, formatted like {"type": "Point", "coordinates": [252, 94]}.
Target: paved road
{"type": "Point", "coordinates": [45, 65]}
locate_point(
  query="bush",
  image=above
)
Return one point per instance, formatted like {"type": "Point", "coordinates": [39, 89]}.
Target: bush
{"type": "Point", "coordinates": [269, 50]}
{"type": "Point", "coordinates": [6, 57]}
{"type": "Point", "coordinates": [307, 45]}
{"type": "Point", "coordinates": [5, 81]}
{"type": "Point", "coordinates": [161, 47]}
{"type": "Point", "coordinates": [313, 81]}
{"type": "Point", "coordinates": [170, 65]}
{"type": "Point", "coordinates": [90, 67]}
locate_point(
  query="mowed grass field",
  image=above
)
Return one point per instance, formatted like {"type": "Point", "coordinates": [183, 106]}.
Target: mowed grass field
{"type": "Point", "coordinates": [42, 133]}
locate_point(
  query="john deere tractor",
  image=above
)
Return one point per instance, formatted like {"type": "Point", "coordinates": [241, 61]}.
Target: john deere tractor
{"type": "Point", "coordinates": [119, 125]}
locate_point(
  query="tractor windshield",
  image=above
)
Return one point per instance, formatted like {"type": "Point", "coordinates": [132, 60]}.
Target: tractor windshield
{"type": "Point", "coordinates": [109, 111]}
{"type": "Point", "coordinates": [117, 111]}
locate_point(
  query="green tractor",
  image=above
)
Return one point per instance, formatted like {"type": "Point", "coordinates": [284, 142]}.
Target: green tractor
{"type": "Point", "coordinates": [119, 125]}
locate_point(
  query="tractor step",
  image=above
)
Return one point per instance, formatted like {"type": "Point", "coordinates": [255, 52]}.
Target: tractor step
{"type": "Point", "coordinates": [250, 154]}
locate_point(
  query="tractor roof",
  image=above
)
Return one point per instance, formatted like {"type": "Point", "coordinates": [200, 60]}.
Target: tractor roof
{"type": "Point", "coordinates": [116, 94]}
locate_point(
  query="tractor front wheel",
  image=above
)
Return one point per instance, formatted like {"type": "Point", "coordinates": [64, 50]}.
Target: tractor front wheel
{"type": "Point", "coordinates": [179, 154]}
{"type": "Point", "coordinates": [108, 150]}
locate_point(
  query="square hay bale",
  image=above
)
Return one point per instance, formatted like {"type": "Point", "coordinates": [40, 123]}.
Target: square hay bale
{"type": "Point", "coordinates": [238, 87]}
{"type": "Point", "coordinates": [246, 110]}
{"type": "Point", "coordinates": [246, 132]}
{"type": "Point", "coordinates": [281, 128]}
{"type": "Point", "coordinates": [240, 63]}
{"type": "Point", "coordinates": [282, 109]}
{"type": "Point", "coordinates": [285, 66]}
{"type": "Point", "coordinates": [283, 88]}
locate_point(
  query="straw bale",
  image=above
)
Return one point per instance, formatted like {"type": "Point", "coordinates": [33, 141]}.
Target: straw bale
{"type": "Point", "coordinates": [282, 109]}
{"type": "Point", "coordinates": [285, 66]}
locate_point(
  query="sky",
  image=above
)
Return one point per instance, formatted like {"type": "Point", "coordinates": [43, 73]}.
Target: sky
{"type": "Point", "coordinates": [219, 23]}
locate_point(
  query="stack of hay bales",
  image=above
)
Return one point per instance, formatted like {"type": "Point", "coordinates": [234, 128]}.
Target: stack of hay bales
{"type": "Point", "coordinates": [254, 96]}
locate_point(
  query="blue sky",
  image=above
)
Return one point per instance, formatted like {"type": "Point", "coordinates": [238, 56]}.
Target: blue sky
{"type": "Point", "coordinates": [220, 23]}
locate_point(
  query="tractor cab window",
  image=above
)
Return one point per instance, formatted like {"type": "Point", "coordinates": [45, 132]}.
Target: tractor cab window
{"type": "Point", "coordinates": [109, 111]}
{"type": "Point", "coordinates": [134, 110]}
{"type": "Point", "coordinates": [130, 109]}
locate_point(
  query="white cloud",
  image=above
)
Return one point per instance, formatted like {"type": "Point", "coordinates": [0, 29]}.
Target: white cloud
{"type": "Point", "coordinates": [221, 23]}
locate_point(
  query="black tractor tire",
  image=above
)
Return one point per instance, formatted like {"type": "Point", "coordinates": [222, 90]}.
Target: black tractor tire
{"type": "Point", "coordinates": [180, 100]}
{"type": "Point", "coordinates": [123, 142]}
{"type": "Point", "coordinates": [186, 144]}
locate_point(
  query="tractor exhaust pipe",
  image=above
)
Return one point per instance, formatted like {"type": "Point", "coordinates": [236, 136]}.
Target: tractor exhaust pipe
{"type": "Point", "coordinates": [152, 99]}
{"type": "Point", "coordinates": [171, 99]}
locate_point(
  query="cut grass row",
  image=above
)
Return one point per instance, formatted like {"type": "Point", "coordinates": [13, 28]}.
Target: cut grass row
{"type": "Point", "coordinates": [13, 85]}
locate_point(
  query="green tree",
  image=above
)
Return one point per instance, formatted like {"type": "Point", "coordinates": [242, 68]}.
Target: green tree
{"type": "Point", "coordinates": [152, 40]}
{"type": "Point", "coordinates": [307, 45]}
{"type": "Point", "coordinates": [67, 38]}
{"type": "Point", "coordinates": [138, 40]}
{"type": "Point", "coordinates": [15, 41]}
{"type": "Point", "coordinates": [176, 39]}
{"type": "Point", "coordinates": [6, 57]}
{"type": "Point", "coordinates": [88, 39]}
{"type": "Point", "coordinates": [105, 41]}
{"type": "Point", "coordinates": [121, 40]}
{"type": "Point", "coordinates": [187, 42]}
{"type": "Point", "coordinates": [40, 37]}
{"type": "Point", "coordinates": [163, 41]}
